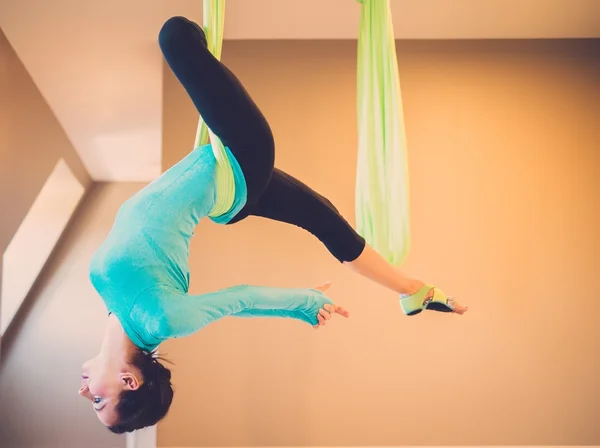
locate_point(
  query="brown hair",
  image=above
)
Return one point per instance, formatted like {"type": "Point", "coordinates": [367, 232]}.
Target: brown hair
{"type": "Point", "coordinates": [148, 404]}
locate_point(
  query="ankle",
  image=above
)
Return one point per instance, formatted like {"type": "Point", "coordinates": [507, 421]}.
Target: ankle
{"type": "Point", "coordinates": [411, 287]}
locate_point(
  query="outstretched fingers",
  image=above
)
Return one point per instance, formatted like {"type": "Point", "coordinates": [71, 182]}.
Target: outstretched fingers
{"type": "Point", "coordinates": [327, 312]}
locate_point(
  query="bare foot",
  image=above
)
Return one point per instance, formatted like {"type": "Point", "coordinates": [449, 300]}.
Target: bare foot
{"type": "Point", "coordinates": [457, 307]}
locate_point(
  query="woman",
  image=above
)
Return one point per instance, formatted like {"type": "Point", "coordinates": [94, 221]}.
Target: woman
{"type": "Point", "coordinates": [141, 270]}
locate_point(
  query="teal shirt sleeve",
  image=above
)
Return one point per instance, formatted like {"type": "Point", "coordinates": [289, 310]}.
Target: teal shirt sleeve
{"type": "Point", "coordinates": [183, 314]}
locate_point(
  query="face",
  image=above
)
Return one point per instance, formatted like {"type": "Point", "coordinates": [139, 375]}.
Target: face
{"type": "Point", "coordinates": [102, 382]}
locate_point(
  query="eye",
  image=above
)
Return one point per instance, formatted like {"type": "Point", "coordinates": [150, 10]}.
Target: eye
{"type": "Point", "coordinates": [97, 400]}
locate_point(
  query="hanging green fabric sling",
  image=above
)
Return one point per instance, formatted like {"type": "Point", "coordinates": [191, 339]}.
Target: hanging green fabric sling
{"type": "Point", "coordinates": [213, 23]}
{"type": "Point", "coordinates": [382, 200]}
{"type": "Point", "coordinates": [382, 208]}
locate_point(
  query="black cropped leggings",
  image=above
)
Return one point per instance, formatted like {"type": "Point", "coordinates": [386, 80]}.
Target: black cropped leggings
{"type": "Point", "coordinates": [232, 115]}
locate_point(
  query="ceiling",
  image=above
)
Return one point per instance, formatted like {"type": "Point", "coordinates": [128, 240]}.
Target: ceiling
{"type": "Point", "coordinates": [99, 68]}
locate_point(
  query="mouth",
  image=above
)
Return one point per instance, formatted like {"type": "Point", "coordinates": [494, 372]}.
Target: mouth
{"type": "Point", "coordinates": [84, 377]}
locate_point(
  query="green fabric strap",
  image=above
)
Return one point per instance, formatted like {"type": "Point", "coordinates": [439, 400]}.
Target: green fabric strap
{"type": "Point", "coordinates": [213, 22]}
{"type": "Point", "coordinates": [382, 201]}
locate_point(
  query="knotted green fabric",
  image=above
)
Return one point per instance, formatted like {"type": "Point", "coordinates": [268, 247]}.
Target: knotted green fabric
{"type": "Point", "coordinates": [382, 201]}
{"type": "Point", "coordinates": [213, 23]}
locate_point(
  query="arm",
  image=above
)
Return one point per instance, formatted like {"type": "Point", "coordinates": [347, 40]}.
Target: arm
{"type": "Point", "coordinates": [184, 314]}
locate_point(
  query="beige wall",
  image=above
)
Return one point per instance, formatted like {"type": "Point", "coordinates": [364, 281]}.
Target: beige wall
{"type": "Point", "coordinates": [505, 173]}
{"type": "Point", "coordinates": [37, 384]}
{"type": "Point", "coordinates": [63, 327]}
{"type": "Point", "coordinates": [31, 143]}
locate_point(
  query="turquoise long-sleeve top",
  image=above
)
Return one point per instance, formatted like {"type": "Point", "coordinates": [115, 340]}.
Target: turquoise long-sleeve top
{"type": "Point", "coordinates": [141, 270]}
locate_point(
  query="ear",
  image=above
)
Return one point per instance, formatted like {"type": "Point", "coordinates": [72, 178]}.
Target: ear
{"type": "Point", "coordinates": [130, 381]}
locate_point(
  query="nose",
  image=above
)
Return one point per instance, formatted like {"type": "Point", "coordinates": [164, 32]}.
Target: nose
{"type": "Point", "coordinates": [85, 392]}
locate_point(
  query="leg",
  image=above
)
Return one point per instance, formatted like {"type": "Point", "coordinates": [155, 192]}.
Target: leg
{"type": "Point", "coordinates": [288, 200]}
{"type": "Point", "coordinates": [414, 293]}
{"type": "Point", "coordinates": [221, 101]}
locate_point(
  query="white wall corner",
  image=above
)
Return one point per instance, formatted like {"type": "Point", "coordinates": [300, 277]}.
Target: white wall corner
{"type": "Point", "coordinates": [143, 438]}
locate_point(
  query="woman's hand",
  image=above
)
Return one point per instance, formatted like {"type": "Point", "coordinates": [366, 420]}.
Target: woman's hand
{"type": "Point", "coordinates": [328, 310]}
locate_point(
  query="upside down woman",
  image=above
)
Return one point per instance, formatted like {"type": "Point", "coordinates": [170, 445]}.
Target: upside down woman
{"type": "Point", "coordinates": [141, 270]}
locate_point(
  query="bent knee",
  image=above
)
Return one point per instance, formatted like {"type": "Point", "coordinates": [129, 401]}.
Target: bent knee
{"type": "Point", "coordinates": [173, 27]}
{"type": "Point", "coordinates": [178, 29]}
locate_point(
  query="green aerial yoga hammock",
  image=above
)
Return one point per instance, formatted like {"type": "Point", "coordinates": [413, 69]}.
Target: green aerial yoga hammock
{"type": "Point", "coordinates": [213, 23]}
{"type": "Point", "coordinates": [382, 202]}
{"type": "Point", "coordinates": [382, 177]}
